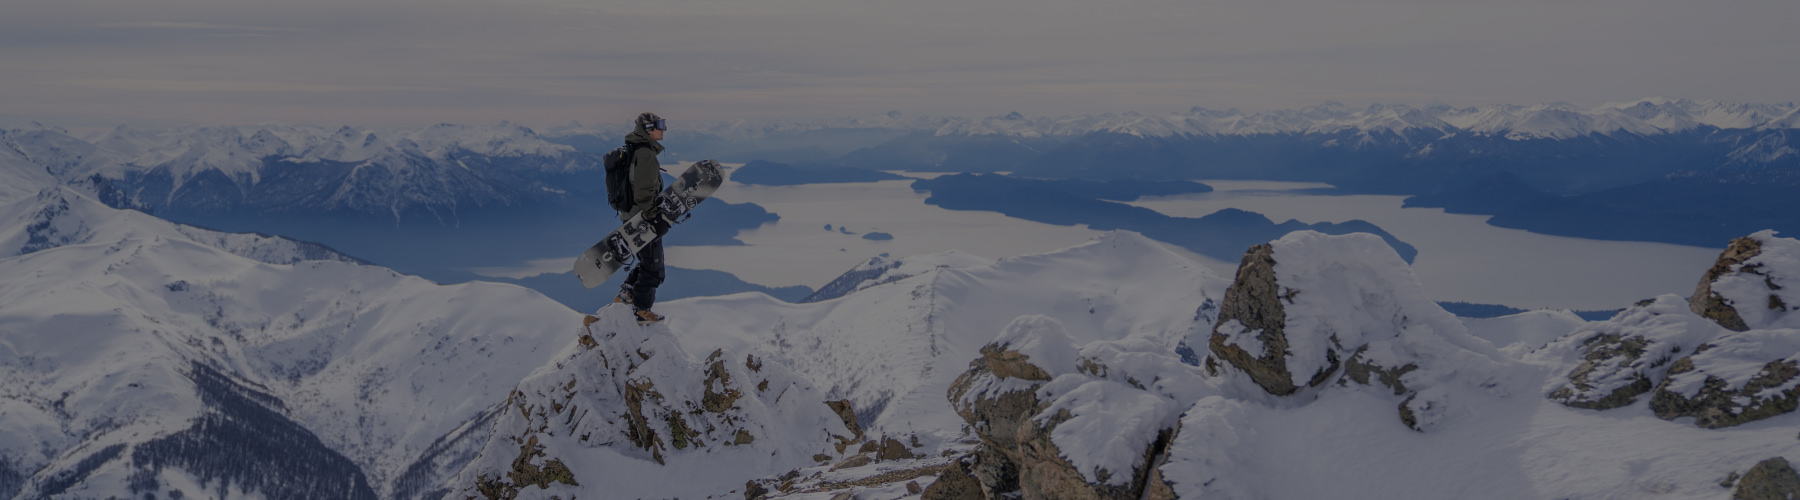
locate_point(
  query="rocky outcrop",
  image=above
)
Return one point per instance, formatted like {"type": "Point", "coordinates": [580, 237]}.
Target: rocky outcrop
{"type": "Point", "coordinates": [1750, 290]}
{"type": "Point", "coordinates": [1772, 479]}
{"type": "Point", "coordinates": [1711, 386]}
{"type": "Point", "coordinates": [1621, 359]}
{"type": "Point", "coordinates": [1727, 355]}
{"type": "Point", "coordinates": [625, 397]}
{"type": "Point", "coordinates": [997, 395]}
{"type": "Point", "coordinates": [1250, 333]}
{"type": "Point", "coordinates": [955, 483]}
{"type": "Point", "coordinates": [1709, 304]}
{"type": "Point", "coordinates": [1036, 404]}
{"type": "Point", "coordinates": [1311, 310]}
{"type": "Point", "coordinates": [1752, 284]}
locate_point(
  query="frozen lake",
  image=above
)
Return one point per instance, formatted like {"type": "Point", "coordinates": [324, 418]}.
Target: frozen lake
{"type": "Point", "coordinates": [1461, 258]}
{"type": "Point", "coordinates": [798, 250]}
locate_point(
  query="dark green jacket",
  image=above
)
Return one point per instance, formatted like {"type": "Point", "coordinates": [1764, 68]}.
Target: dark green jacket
{"type": "Point", "coordinates": [646, 172]}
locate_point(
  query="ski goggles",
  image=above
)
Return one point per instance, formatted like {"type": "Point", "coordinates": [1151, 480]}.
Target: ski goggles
{"type": "Point", "coordinates": [660, 124]}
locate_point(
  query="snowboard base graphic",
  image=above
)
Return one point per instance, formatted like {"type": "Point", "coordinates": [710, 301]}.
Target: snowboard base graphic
{"type": "Point", "coordinates": [693, 186]}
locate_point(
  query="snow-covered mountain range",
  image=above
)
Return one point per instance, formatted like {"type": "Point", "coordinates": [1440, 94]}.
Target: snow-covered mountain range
{"type": "Point", "coordinates": [283, 168]}
{"type": "Point", "coordinates": [141, 357]}
{"type": "Point", "coordinates": [145, 358]}
{"type": "Point", "coordinates": [1648, 116]}
{"type": "Point", "coordinates": [1320, 370]}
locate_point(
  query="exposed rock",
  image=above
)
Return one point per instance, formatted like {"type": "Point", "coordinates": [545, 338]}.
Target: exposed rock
{"type": "Point", "coordinates": [955, 483]}
{"type": "Point", "coordinates": [1715, 401]}
{"type": "Point", "coordinates": [847, 413]}
{"type": "Point", "coordinates": [1707, 303]}
{"type": "Point", "coordinates": [1091, 391]}
{"type": "Point", "coordinates": [1000, 415]}
{"type": "Point", "coordinates": [1771, 479]}
{"type": "Point", "coordinates": [628, 393]}
{"type": "Point", "coordinates": [1362, 371]}
{"type": "Point", "coordinates": [1252, 309]}
{"type": "Point", "coordinates": [1753, 285]}
{"type": "Point", "coordinates": [853, 461]}
{"type": "Point", "coordinates": [892, 449]}
{"type": "Point", "coordinates": [755, 491]}
{"type": "Point", "coordinates": [525, 473]}
{"type": "Point", "coordinates": [1622, 358]}
{"type": "Point", "coordinates": [1309, 309]}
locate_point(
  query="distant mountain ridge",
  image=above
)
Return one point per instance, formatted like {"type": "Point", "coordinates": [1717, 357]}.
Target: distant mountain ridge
{"type": "Point", "coordinates": [282, 168]}
{"type": "Point", "coordinates": [1541, 121]}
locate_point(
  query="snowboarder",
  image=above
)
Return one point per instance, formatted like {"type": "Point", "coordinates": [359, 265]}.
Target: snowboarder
{"type": "Point", "coordinates": [639, 289]}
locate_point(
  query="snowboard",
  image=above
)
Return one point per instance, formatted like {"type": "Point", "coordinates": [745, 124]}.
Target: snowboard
{"type": "Point", "coordinates": [690, 188]}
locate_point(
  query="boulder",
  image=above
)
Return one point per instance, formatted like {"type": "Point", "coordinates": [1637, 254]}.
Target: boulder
{"type": "Point", "coordinates": [1055, 422]}
{"type": "Point", "coordinates": [1772, 479]}
{"type": "Point", "coordinates": [1312, 309]}
{"type": "Point", "coordinates": [955, 483]}
{"type": "Point", "coordinates": [1753, 284]}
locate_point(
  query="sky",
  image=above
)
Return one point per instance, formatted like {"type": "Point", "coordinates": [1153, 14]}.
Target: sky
{"type": "Point", "coordinates": [80, 63]}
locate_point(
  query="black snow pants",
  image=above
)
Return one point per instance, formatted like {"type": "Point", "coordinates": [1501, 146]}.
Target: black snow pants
{"type": "Point", "coordinates": [646, 276]}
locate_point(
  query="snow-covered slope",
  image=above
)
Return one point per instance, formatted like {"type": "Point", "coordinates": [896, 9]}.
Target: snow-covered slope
{"type": "Point", "coordinates": [1359, 387]}
{"type": "Point", "coordinates": [28, 159]}
{"type": "Point", "coordinates": [893, 348]}
{"type": "Point", "coordinates": [139, 356]}
{"type": "Point", "coordinates": [628, 413]}
{"type": "Point", "coordinates": [62, 216]}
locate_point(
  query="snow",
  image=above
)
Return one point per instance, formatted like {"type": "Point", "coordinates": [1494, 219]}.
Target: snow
{"type": "Point", "coordinates": [1488, 432]}
{"type": "Point", "coordinates": [893, 349]}
{"type": "Point", "coordinates": [1528, 330]}
{"type": "Point", "coordinates": [98, 329]}
{"type": "Point", "coordinates": [1347, 445]}
{"type": "Point", "coordinates": [1042, 340]}
{"type": "Point", "coordinates": [104, 309]}
{"type": "Point", "coordinates": [1765, 290]}
{"type": "Point", "coordinates": [1353, 290]}
{"type": "Point", "coordinates": [1112, 426]}
{"type": "Point", "coordinates": [786, 417]}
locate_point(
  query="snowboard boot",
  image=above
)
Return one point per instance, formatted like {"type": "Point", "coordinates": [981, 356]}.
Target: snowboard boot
{"type": "Point", "coordinates": [645, 317]}
{"type": "Point", "coordinates": [624, 296]}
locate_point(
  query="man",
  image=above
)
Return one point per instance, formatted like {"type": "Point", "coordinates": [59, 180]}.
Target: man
{"type": "Point", "coordinates": [639, 289]}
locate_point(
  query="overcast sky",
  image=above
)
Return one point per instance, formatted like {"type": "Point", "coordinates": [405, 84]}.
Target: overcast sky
{"type": "Point", "coordinates": [543, 62]}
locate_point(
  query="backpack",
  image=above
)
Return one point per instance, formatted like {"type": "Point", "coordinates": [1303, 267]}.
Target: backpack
{"type": "Point", "coordinates": [618, 177]}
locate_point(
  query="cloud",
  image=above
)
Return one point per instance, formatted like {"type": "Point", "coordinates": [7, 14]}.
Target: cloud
{"type": "Point", "coordinates": [551, 61]}
{"type": "Point", "coordinates": [218, 86]}
{"type": "Point", "coordinates": [195, 26]}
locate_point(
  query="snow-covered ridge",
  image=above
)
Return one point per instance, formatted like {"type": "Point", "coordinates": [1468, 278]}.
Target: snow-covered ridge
{"type": "Point", "coordinates": [446, 163]}
{"type": "Point", "coordinates": [241, 149]}
{"type": "Point", "coordinates": [1542, 121]}
{"type": "Point", "coordinates": [61, 216]}
{"type": "Point", "coordinates": [126, 339]}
